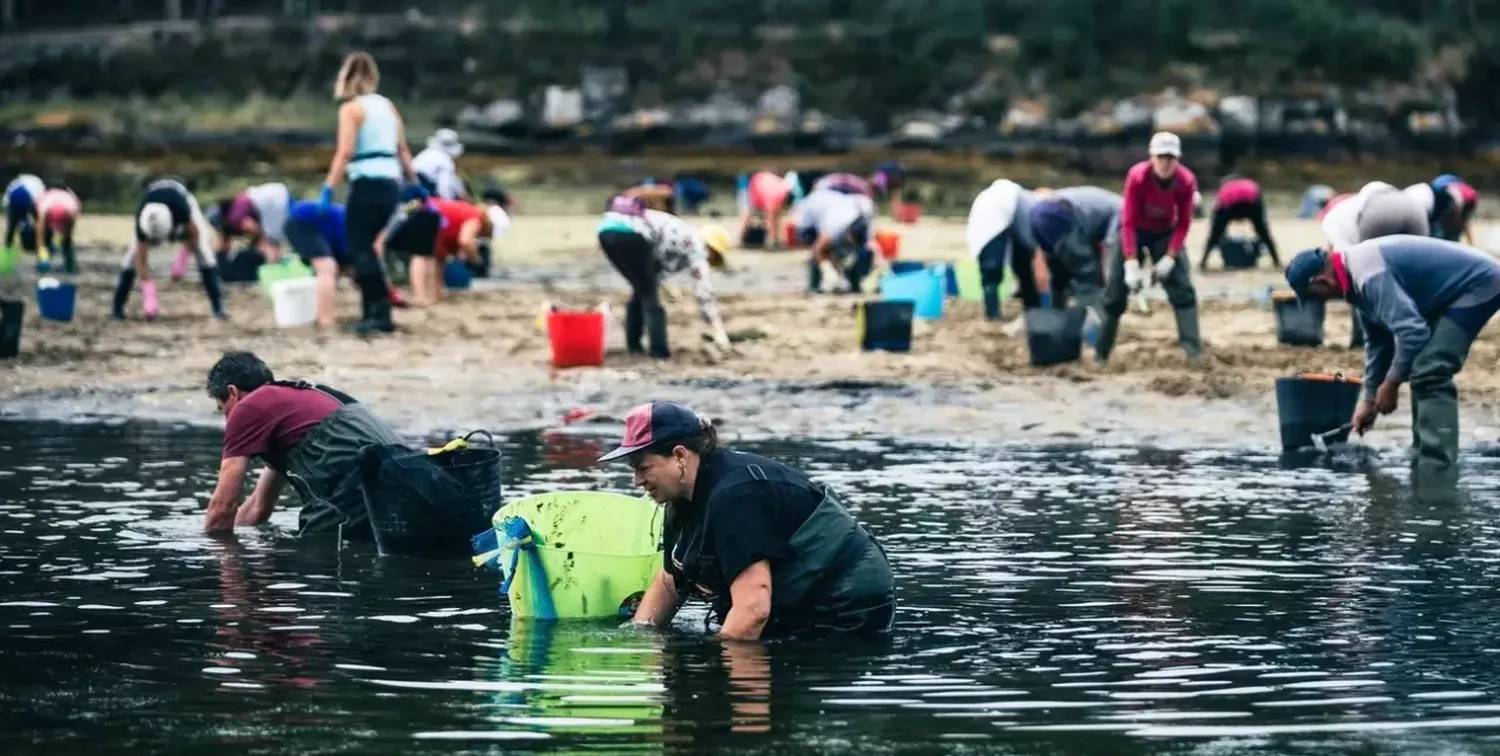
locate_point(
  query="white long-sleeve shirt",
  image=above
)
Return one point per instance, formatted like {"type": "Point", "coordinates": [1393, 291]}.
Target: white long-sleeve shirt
{"type": "Point", "coordinates": [437, 166]}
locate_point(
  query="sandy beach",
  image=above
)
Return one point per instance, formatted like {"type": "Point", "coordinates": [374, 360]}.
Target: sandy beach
{"type": "Point", "coordinates": [478, 361]}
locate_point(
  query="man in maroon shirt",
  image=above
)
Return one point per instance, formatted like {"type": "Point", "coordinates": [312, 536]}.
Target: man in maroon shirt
{"type": "Point", "coordinates": [307, 434]}
{"type": "Point", "coordinates": [1156, 215]}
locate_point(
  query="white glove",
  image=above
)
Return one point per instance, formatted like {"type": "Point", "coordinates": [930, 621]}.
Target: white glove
{"type": "Point", "coordinates": [1092, 320]}
{"type": "Point", "coordinates": [721, 338]}
{"type": "Point", "coordinates": [1132, 275]}
{"type": "Point", "coordinates": [1163, 268]}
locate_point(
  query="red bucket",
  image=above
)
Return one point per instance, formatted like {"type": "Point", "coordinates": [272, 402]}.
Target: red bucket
{"type": "Point", "coordinates": [789, 237]}
{"type": "Point", "coordinates": [889, 243]}
{"type": "Point", "coordinates": [577, 338]}
{"type": "Point", "coordinates": [907, 213]}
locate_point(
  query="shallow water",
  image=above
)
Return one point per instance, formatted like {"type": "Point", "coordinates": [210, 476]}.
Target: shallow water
{"type": "Point", "coordinates": [1078, 601]}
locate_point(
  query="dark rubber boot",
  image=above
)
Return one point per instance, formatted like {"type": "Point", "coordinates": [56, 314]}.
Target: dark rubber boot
{"type": "Point", "coordinates": [656, 332]}
{"type": "Point", "coordinates": [635, 327]}
{"type": "Point", "coordinates": [1109, 330]}
{"type": "Point", "coordinates": [379, 320]}
{"type": "Point", "coordinates": [1187, 331]}
{"type": "Point", "coordinates": [123, 285]}
{"type": "Point", "coordinates": [210, 279]}
{"type": "Point", "coordinates": [992, 303]}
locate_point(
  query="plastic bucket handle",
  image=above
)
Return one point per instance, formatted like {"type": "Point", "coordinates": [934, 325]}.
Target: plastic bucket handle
{"type": "Point", "coordinates": [1335, 377]}
{"type": "Point", "coordinates": [489, 439]}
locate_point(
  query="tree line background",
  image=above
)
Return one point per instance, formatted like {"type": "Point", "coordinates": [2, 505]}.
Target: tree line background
{"type": "Point", "coordinates": [869, 59]}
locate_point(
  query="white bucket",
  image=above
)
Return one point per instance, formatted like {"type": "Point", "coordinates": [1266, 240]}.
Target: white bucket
{"type": "Point", "coordinates": [294, 302]}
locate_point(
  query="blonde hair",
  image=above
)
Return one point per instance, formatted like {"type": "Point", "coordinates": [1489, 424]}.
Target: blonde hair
{"type": "Point", "coordinates": [358, 76]}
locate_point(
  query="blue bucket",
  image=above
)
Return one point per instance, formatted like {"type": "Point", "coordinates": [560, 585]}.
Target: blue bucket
{"type": "Point", "coordinates": [57, 302]}
{"type": "Point", "coordinates": [923, 288]}
{"type": "Point", "coordinates": [907, 266]}
{"type": "Point", "coordinates": [456, 275]}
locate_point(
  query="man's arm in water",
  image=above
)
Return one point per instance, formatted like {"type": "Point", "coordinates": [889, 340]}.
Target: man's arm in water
{"type": "Point", "coordinates": [226, 499]}
{"type": "Point", "coordinates": [262, 502]}
{"type": "Point", "coordinates": [750, 603]}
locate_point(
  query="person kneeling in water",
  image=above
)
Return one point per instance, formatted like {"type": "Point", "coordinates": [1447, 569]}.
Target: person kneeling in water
{"type": "Point", "coordinates": [775, 553]}
{"type": "Point", "coordinates": [168, 212]}
{"type": "Point", "coordinates": [306, 434]}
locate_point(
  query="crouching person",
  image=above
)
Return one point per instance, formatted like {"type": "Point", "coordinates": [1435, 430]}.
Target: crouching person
{"type": "Point", "coordinates": [305, 434]}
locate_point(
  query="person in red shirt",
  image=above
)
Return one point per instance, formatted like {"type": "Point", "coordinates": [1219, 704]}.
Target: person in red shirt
{"type": "Point", "coordinates": [306, 434]}
{"type": "Point", "coordinates": [1156, 215]}
{"type": "Point", "coordinates": [1239, 199]}
{"type": "Point", "coordinates": [455, 227]}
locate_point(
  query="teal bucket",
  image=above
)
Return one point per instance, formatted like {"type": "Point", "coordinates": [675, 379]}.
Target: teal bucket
{"type": "Point", "coordinates": [923, 288]}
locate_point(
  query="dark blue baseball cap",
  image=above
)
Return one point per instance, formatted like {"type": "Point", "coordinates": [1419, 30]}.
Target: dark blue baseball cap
{"type": "Point", "coordinates": [654, 423]}
{"type": "Point", "coordinates": [1303, 268]}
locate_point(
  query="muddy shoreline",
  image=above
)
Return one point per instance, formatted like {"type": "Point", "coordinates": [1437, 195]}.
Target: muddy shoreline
{"type": "Point", "coordinates": [477, 360]}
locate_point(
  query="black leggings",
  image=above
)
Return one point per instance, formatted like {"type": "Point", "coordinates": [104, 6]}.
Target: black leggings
{"type": "Point", "coordinates": [635, 258]}
{"type": "Point", "coordinates": [1255, 212]}
{"type": "Point", "coordinates": [371, 204]}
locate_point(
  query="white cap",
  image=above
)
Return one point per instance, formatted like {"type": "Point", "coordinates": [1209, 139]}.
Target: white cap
{"type": "Point", "coordinates": [1373, 187]}
{"type": "Point", "coordinates": [1166, 143]}
{"type": "Point", "coordinates": [499, 222]}
{"type": "Point", "coordinates": [447, 141]}
{"type": "Point", "coordinates": [156, 222]}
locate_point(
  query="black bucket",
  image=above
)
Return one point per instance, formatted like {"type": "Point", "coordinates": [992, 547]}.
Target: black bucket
{"type": "Point", "coordinates": [1240, 252]}
{"type": "Point", "coordinates": [419, 511]}
{"type": "Point", "coordinates": [1299, 323]}
{"type": "Point", "coordinates": [1309, 404]}
{"type": "Point", "coordinates": [481, 268]}
{"type": "Point", "coordinates": [12, 311]}
{"type": "Point", "coordinates": [885, 325]}
{"type": "Point", "coordinates": [1055, 336]}
{"type": "Point", "coordinates": [754, 236]}
{"type": "Point", "coordinates": [242, 267]}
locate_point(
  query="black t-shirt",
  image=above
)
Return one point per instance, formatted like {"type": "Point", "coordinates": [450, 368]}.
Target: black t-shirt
{"type": "Point", "coordinates": [726, 528]}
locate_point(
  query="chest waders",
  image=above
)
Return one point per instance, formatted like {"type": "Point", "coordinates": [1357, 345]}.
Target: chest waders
{"type": "Point", "coordinates": [324, 467]}
{"type": "Point", "coordinates": [837, 581]}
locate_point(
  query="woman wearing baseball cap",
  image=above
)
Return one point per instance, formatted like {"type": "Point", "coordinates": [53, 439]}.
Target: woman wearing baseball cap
{"type": "Point", "coordinates": [774, 553]}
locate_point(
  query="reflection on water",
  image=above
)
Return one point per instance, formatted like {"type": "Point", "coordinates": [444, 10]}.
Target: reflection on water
{"type": "Point", "coordinates": [1062, 600]}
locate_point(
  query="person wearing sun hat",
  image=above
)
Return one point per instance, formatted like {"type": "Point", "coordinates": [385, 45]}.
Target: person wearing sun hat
{"type": "Point", "coordinates": [1423, 301]}
{"type": "Point", "coordinates": [773, 552]}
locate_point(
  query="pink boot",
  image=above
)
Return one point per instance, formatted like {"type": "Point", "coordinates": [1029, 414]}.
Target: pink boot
{"type": "Point", "coordinates": [179, 268]}
{"type": "Point", "coordinates": [151, 306]}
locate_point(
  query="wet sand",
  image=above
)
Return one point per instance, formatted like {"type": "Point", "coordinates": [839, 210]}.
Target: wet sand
{"type": "Point", "coordinates": [478, 361]}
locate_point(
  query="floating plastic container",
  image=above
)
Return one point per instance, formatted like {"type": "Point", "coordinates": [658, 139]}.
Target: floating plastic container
{"type": "Point", "coordinates": [577, 338]}
{"type": "Point", "coordinates": [596, 552]}
{"type": "Point", "coordinates": [457, 275]}
{"type": "Point", "coordinates": [889, 243]}
{"type": "Point", "coordinates": [884, 326]}
{"type": "Point", "coordinates": [56, 300]}
{"type": "Point", "coordinates": [290, 268]}
{"type": "Point", "coordinates": [12, 312]}
{"type": "Point", "coordinates": [1313, 403]}
{"type": "Point", "coordinates": [923, 288]}
{"type": "Point", "coordinates": [1055, 336]}
{"type": "Point", "coordinates": [1298, 323]}
{"type": "Point", "coordinates": [294, 302]}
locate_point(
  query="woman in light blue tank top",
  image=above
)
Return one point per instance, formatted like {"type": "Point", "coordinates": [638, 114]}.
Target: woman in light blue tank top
{"type": "Point", "coordinates": [373, 154]}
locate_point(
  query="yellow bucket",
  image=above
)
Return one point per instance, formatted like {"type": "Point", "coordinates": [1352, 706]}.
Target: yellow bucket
{"type": "Point", "coordinates": [597, 550]}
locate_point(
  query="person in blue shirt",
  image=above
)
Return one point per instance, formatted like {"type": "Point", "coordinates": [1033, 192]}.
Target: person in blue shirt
{"type": "Point", "coordinates": [1423, 301]}
{"type": "Point", "coordinates": [316, 233]}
